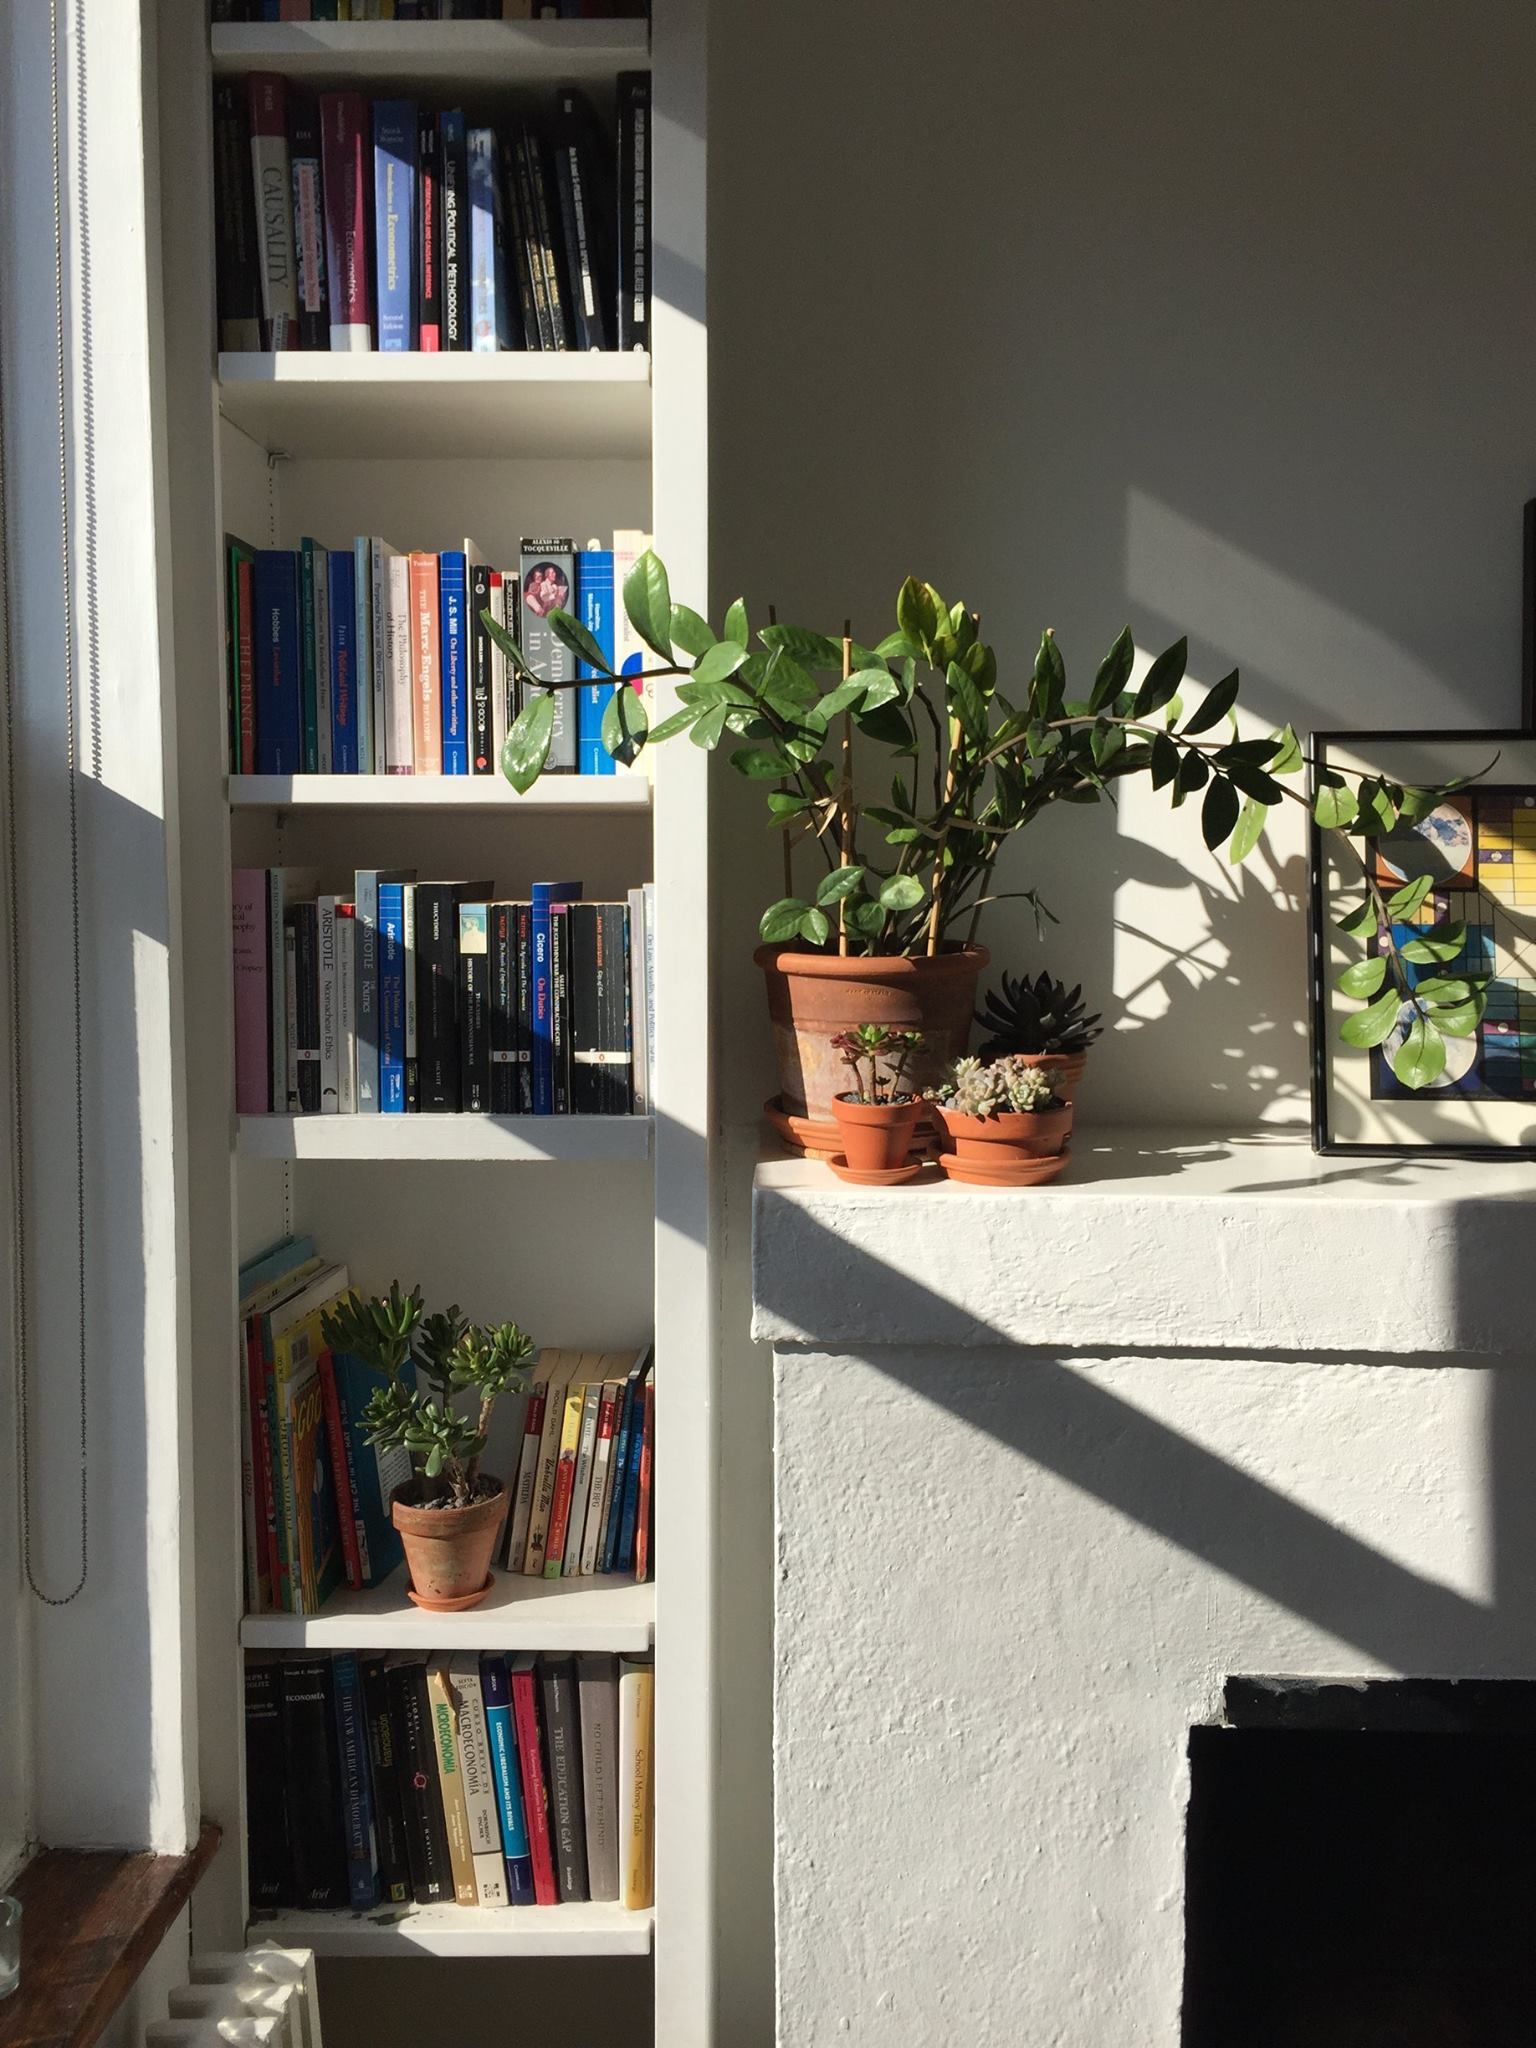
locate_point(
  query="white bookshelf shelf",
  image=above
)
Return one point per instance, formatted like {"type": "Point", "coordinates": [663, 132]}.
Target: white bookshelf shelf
{"type": "Point", "coordinates": [610, 1139]}
{"type": "Point", "coordinates": [515, 403]}
{"type": "Point", "coordinates": [518, 1614]}
{"type": "Point", "coordinates": [477, 55]}
{"type": "Point", "coordinates": [437, 793]}
{"type": "Point", "coordinates": [464, 1931]}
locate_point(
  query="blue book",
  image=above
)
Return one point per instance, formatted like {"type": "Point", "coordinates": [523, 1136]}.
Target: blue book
{"type": "Point", "coordinates": [394, 222]}
{"type": "Point", "coordinates": [374, 1474]}
{"type": "Point", "coordinates": [594, 608]}
{"type": "Point", "coordinates": [362, 646]}
{"type": "Point", "coordinates": [392, 998]}
{"type": "Point", "coordinates": [625, 1561]}
{"type": "Point", "coordinates": [279, 724]}
{"type": "Point", "coordinates": [356, 1784]}
{"type": "Point", "coordinates": [609, 1561]}
{"type": "Point", "coordinates": [307, 696]}
{"type": "Point", "coordinates": [343, 653]}
{"type": "Point", "coordinates": [542, 1063]}
{"type": "Point", "coordinates": [489, 327]}
{"type": "Point", "coordinates": [453, 658]}
{"type": "Point", "coordinates": [496, 1691]}
{"type": "Point", "coordinates": [283, 1258]}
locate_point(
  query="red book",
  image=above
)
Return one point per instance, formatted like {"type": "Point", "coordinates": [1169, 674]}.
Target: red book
{"type": "Point", "coordinates": [346, 1512]}
{"type": "Point", "coordinates": [344, 168]}
{"type": "Point", "coordinates": [245, 664]}
{"type": "Point", "coordinates": [525, 1722]}
{"type": "Point", "coordinates": [429, 287]}
{"type": "Point", "coordinates": [643, 1508]}
{"type": "Point", "coordinates": [427, 722]}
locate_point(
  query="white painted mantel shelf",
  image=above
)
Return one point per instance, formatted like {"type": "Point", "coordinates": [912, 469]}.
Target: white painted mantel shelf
{"type": "Point", "coordinates": [1159, 1241]}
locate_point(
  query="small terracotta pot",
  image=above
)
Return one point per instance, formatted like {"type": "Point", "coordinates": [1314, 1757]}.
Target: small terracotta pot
{"type": "Point", "coordinates": [812, 997]}
{"type": "Point", "coordinates": [877, 1135]}
{"type": "Point", "coordinates": [448, 1551]}
{"type": "Point", "coordinates": [1031, 1134]}
{"type": "Point", "coordinates": [1064, 1068]}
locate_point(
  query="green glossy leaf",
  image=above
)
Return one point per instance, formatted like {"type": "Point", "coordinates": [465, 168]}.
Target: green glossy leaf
{"type": "Point", "coordinates": [1420, 1060]}
{"type": "Point", "coordinates": [1443, 942]}
{"type": "Point", "coordinates": [1442, 988]}
{"type": "Point", "coordinates": [694, 635]}
{"type": "Point", "coordinates": [1218, 813]}
{"type": "Point", "coordinates": [1335, 808]}
{"type": "Point", "coordinates": [780, 922]}
{"type": "Point", "coordinates": [841, 882]}
{"type": "Point", "coordinates": [1218, 701]}
{"type": "Point", "coordinates": [814, 927]}
{"type": "Point", "coordinates": [709, 727]}
{"type": "Point", "coordinates": [899, 646]}
{"type": "Point", "coordinates": [765, 764]}
{"type": "Point", "coordinates": [1289, 757]}
{"type": "Point", "coordinates": [1194, 773]}
{"type": "Point", "coordinates": [1165, 760]}
{"type": "Point", "coordinates": [1402, 903]}
{"type": "Point", "coordinates": [966, 703]}
{"type": "Point", "coordinates": [1255, 783]}
{"type": "Point", "coordinates": [811, 650]}
{"type": "Point", "coordinates": [1050, 678]}
{"type": "Point", "coordinates": [648, 604]}
{"type": "Point", "coordinates": [573, 634]}
{"type": "Point", "coordinates": [1114, 671]}
{"type": "Point", "coordinates": [718, 663]}
{"type": "Point", "coordinates": [502, 639]}
{"type": "Point", "coordinates": [901, 892]}
{"type": "Point", "coordinates": [1363, 978]}
{"type": "Point", "coordinates": [1370, 1026]}
{"type": "Point", "coordinates": [784, 686]}
{"type": "Point", "coordinates": [864, 916]}
{"type": "Point", "coordinates": [626, 723]}
{"type": "Point", "coordinates": [1250, 830]}
{"type": "Point", "coordinates": [783, 805]}
{"type": "Point", "coordinates": [1378, 807]}
{"type": "Point", "coordinates": [527, 744]}
{"type": "Point", "coordinates": [1460, 1020]}
{"type": "Point", "coordinates": [736, 627]}
{"type": "Point", "coordinates": [918, 612]}
{"type": "Point", "coordinates": [1161, 679]}
{"type": "Point", "coordinates": [679, 721]}
{"type": "Point", "coordinates": [1360, 923]}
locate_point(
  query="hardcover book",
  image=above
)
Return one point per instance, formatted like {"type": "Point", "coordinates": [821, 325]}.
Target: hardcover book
{"type": "Point", "coordinates": [396, 970]}
{"type": "Point", "coordinates": [542, 1040]}
{"type": "Point", "coordinates": [308, 221]}
{"type": "Point", "coordinates": [312, 1783]}
{"type": "Point", "coordinates": [488, 325]}
{"type": "Point", "coordinates": [240, 643]}
{"type": "Point", "coordinates": [454, 161]}
{"type": "Point", "coordinates": [276, 598]}
{"type": "Point", "coordinates": [634, 212]}
{"type": "Point", "coordinates": [385, 1764]}
{"type": "Point", "coordinates": [437, 989]}
{"type": "Point", "coordinates": [266, 1835]}
{"type": "Point", "coordinates": [524, 1678]}
{"type": "Point", "coordinates": [342, 588]}
{"type": "Point", "coordinates": [474, 1008]}
{"type": "Point", "coordinates": [373, 1471]}
{"type": "Point", "coordinates": [267, 103]}
{"type": "Point", "coordinates": [547, 571]}
{"type": "Point", "coordinates": [347, 174]}
{"type": "Point", "coordinates": [562, 1734]}
{"type": "Point", "coordinates": [636, 1865]}
{"type": "Point", "coordinates": [506, 1052]}
{"type": "Point", "coordinates": [483, 757]}
{"type": "Point", "coordinates": [585, 183]}
{"type": "Point", "coordinates": [400, 649]}
{"type": "Point", "coordinates": [594, 608]}
{"type": "Point", "coordinates": [356, 1784]}
{"type": "Point", "coordinates": [239, 284]}
{"type": "Point", "coordinates": [426, 1829]}
{"type": "Point", "coordinates": [597, 1686]}
{"type": "Point", "coordinates": [453, 642]}
{"type": "Point", "coordinates": [599, 1007]}
{"type": "Point", "coordinates": [445, 1734]}
{"type": "Point", "coordinates": [394, 180]}
{"type": "Point", "coordinates": [362, 651]}
{"type": "Point", "coordinates": [253, 1008]}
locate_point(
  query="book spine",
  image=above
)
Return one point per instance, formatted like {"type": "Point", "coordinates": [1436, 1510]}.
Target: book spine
{"type": "Point", "coordinates": [527, 1479]}
{"type": "Point", "coordinates": [547, 1466]}
{"type": "Point", "coordinates": [252, 996]}
{"type": "Point", "coordinates": [312, 1783]}
{"type": "Point", "coordinates": [261, 1468]}
{"type": "Point", "coordinates": [478, 1773]}
{"type": "Point", "coordinates": [501, 1010]}
{"type": "Point", "coordinates": [346, 177]}
{"type": "Point", "coordinates": [643, 1501]}
{"type": "Point", "coordinates": [578, 276]}
{"type": "Point", "coordinates": [426, 1829]}
{"type": "Point", "coordinates": [346, 1009]}
{"type": "Point", "coordinates": [602, 1475]}
{"type": "Point", "coordinates": [634, 188]}
{"type": "Point", "coordinates": [635, 940]}
{"type": "Point", "coordinates": [597, 1688]}
{"type": "Point", "coordinates": [496, 1696]}
{"type": "Point", "coordinates": [291, 1017]}
{"type": "Point", "coordinates": [425, 708]}
{"type": "Point", "coordinates": [239, 282]}
{"type": "Point", "coordinates": [485, 334]}
{"type": "Point", "coordinates": [581, 1491]}
{"type": "Point", "coordinates": [356, 1790]}
{"type": "Point", "coordinates": [582, 924]}
{"type": "Point", "coordinates": [453, 607]}
{"type": "Point", "coordinates": [543, 333]}
{"type": "Point", "coordinates": [562, 1725]}
{"type": "Point", "coordinates": [626, 1556]}
{"type": "Point", "coordinates": [325, 933]}
{"type": "Point", "coordinates": [392, 973]}
{"type": "Point", "coordinates": [245, 662]}
{"type": "Point", "coordinates": [365, 899]}
{"type": "Point", "coordinates": [268, 1866]}
{"type": "Point", "coordinates": [412, 1062]}
{"type": "Point", "coordinates": [384, 1767]}
{"type": "Point", "coordinates": [280, 1537]}
{"type": "Point", "coordinates": [394, 179]}
{"type": "Point", "coordinates": [546, 245]}
{"type": "Point", "coordinates": [308, 699]}
{"type": "Point", "coordinates": [455, 209]}
{"type": "Point", "coordinates": [503, 674]}
{"type": "Point", "coordinates": [523, 931]}
{"type": "Point", "coordinates": [400, 645]}
{"type": "Point", "coordinates": [565, 1481]}
{"type": "Point", "coordinates": [615, 1523]}
{"type": "Point", "coordinates": [592, 253]}
{"type": "Point", "coordinates": [381, 555]}
{"type": "Point", "coordinates": [318, 708]}
{"type": "Point", "coordinates": [362, 652]}
{"type": "Point", "coordinates": [635, 1859]}
{"type": "Point", "coordinates": [343, 667]}
{"type": "Point", "coordinates": [276, 592]}
{"type": "Point", "coordinates": [308, 221]}
{"type": "Point", "coordinates": [482, 760]}
{"type": "Point", "coordinates": [451, 1781]}
{"type": "Point", "coordinates": [560, 1005]}
{"type": "Point", "coordinates": [525, 1715]}
{"type": "Point", "coordinates": [346, 1511]}
{"type": "Point", "coordinates": [474, 1008]}
{"type": "Point", "coordinates": [437, 1024]}
{"type": "Point", "coordinates": [306, 930]}
{"type": "Point", "coordinates": [548, 580]}
{"type": "Point", "coordinates": [519, 214]}
{"type": "Point", "coordinates": [429, 233]}
{"type": "Point", "coordinates": [594, 608]}
{"type": "Point", "coordinates": [615, 1027]}
{"type": "Point", "coordinates": [267, 104]}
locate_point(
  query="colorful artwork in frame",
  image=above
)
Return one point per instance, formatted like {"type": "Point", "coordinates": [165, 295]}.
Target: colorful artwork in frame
{"type": "Point", "coordinates": [1477, 849]}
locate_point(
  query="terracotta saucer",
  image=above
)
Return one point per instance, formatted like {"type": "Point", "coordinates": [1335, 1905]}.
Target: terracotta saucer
{"type": "Point", "coordinates": [820, 1138]}
{"type": "Point", "coordinates": [886, 1177]}
{"type": "Point", "coordinates": [459, 1606]}
{"type": "Point", "coordinates": [1019, 1173]}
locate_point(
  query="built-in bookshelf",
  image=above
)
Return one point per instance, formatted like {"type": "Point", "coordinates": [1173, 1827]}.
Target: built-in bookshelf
{"type": "Point", "coordinates": [609, 1246]}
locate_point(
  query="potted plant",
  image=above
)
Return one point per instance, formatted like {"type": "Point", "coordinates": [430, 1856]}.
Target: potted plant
{"type": "Point", "coordinates": [1041, 1021]}
{"type": "Point", "coordinates": [878, 1115]}
{"type": "Point", "coordinates": [1005, 1123]}
{"type": "Point", "coordinates": [886, 930]}
{"type": "Point", "coordinates": [449, 1513]}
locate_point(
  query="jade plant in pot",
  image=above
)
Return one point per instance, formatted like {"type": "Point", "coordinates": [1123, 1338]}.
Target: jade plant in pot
{"type": "Point", "coordinates": [1042, 1021]}
{"type": "Point", "coordinates": [886, 878]}
{"type": "Point", "coordinates": [877, 1114]}
{"type": "Point", "coordinates": [1005, 1125]}
{"type": "Point", "coordinates": [449, 1513]}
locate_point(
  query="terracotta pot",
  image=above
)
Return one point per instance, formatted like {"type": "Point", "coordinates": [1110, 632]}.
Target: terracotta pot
{"type": "Point", "coordinates": [876, 1136]}
{"type": "Point", "coordinates": [813, 996]}
{"type": "Point", "coordinates": [1064, 1068]}
{"type": "Point", "coordinates": [448, 1551]}
{"type": "Point", "coordinates": [1032, 1134]}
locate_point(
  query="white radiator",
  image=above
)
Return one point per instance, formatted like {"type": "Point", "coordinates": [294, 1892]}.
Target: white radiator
{"type": "Point", "coordinates": [261, 1997]}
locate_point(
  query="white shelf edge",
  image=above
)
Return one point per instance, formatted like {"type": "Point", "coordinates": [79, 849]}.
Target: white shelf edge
{"type": "Point", "coordinates": [377, 368]}
{"type": "Point", "coordinates": [609, 1613]}
{"type": "Point", "coordinates": [611, 1139]}
{"type": "Point", "coordinates": [574, 1930]}
{"type": "Point", "coordinates": [630, 792]}
{"type": "Point", "coordinates": [494, 53]}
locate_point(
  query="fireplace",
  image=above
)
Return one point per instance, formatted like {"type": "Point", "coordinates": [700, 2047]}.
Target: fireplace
{"type": "Point", "coordinates": [1361, 1867]}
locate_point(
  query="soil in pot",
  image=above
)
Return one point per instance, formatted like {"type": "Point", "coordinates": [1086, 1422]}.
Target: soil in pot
{"type": "Point", "coordinates": [1032, 1134]}
{"type": "Point", "coordinates": [877, 1136]}
{"type": "Point", "coordinates": [448, 1551]}
{"type": "Point", "coordinates": [812, 997]}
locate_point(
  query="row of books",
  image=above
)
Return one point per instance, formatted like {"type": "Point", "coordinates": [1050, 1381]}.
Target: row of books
{"type": "Point", "coordinates": [397, 995]}
{"type": "Point", "coordinates": [368, 661]}
{"type": "Point", "coordinates": [476, 1779]}
{"type": "Point", "coordinates": [583, 1498]}
{"type": "Point", "coordinates": [346, 224]}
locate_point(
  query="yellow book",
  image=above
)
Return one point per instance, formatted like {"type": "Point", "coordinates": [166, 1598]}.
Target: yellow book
{"type": "Point", "coordinates": [574, 1399]}
{"type": "Point", "coordinates": [637, 1871]}
{"type": "Point", "coordinates": [445, 1740]}
{"type": "Point", "coordinates": [561, 1365]}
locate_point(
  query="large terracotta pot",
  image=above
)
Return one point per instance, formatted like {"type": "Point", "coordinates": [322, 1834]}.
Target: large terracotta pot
{"type": "Point", "coordinates": [813, 996]}
{"type": "Point", "coordinates": [448, 1551]}
{"type": "Point", "coordinates": [877, 1136]}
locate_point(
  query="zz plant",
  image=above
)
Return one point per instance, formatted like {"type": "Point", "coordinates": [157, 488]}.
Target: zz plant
{"type": "Point", "coordinates": [454, 1357]}
{"type": "Point", "coordinates": [974, 756]}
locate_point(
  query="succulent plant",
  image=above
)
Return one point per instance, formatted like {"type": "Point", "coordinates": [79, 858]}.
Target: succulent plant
{"type": "Point", "coordinates": [1008, 1087]}
{"type": "Point", "coordinates": [1036, 1016]}
{"type": "Point", "coordinates": [885, 1053]}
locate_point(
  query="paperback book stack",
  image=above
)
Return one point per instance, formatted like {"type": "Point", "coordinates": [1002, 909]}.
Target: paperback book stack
{"type": "Point", "coordinates": [458, 1778]}
{"type": "Point", "coordinates": [350, 224]}
{"type": "Point", "coordinates": [582, 1503]}
{"type": "Point", "coordinates": [367, 660]}
{"type": "Point", "coordinates": [394, 996]}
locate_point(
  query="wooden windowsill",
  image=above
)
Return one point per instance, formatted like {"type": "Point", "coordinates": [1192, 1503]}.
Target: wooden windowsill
{"type": "Point", "coordinates": [91, 1921]}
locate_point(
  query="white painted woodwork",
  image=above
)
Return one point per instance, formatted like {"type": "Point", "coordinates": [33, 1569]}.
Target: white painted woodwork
{"type": "Point", "coordinates": [524, 1138]}
{"type": "Point", "coordinates": [518, 1614]}
{"type": "Point", "coordinates": [465, 1931]}
{"type": "Point", "coordinates": [433, 56]}
{"type": "Point", "coordinates": [438, 792]}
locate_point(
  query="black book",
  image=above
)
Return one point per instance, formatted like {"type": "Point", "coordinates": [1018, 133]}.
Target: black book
{"type": "Point", "coordinates": [385, 1766]}
{"type": "Point", "coordinates": [560, 1006]}
{"type": "Point", "coordinates": [532, 305]}
{"type": "Point", "coordinates": [437, 989]}
{"type": "Point", "coordinates": [562, 1747]}
{"type": "Point", "coordinates": [548, 243]}
{"type": "Point", "coordinates": [599, 990]}
{"type": "Point", "coordinates": [502, 1051]}
{"type": "Point", "coordinates": [239, 282]}
{"type": "Point", "coordinates": [482, 710]}
{"type": "Point", "coordinates": [585, 185]}
{"type": "Point", "coordinates": [474, 1008]}
{"type": "Point", "coordinates": [453, 172]}
{"type": "Point", "coordinates": [305, 920]}
{"type": "Point", "coordinates": [426, 1830]}
{"type": "Point", "coordinates": [312, 1788]}
{"type": "Point", "coordinates": [634, 209]}
{"type": "Point", "coordinates": [1528, 621]}
{"type": "Point", "coordinates": [429, 232]}
{"type": "Point", "coordinates": [308, 220]}
{"type": "Point", "coordinates": [266, 1833]}
{"type": "Point", "coordinates": [522, 926]}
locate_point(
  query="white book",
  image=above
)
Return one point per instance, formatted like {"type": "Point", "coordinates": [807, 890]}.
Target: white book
{"type": "Point", "coordinates": [381, 554]}
{"type": "Point", "coordinates": [639, 1021]}
{"type": "Point", "coordinates": [400, 699]}
{"type": "Point", "coordinates": [362, 650]}
{"type": "Point", "coordinates": [408, 949]}
{"type": "Point", "coordinates": [527, 1471]}
{"type": "Point", "coordinates": [322, 584]}
{"type": "Point", "coordinates": [476, 1770]}
{"type": "Point", "coordinates": [274, 223]}
{"type": "Point", "coordinates": [346, 1009]}
{"type": "Point", "coordinates": [597, 1692]}
{"type": "Point", "coordinates": [330, 1066]}
{"type": "Point", "coordinates": [602, 1475]}
{"type": "Point", "coordinates": [581, 1490]}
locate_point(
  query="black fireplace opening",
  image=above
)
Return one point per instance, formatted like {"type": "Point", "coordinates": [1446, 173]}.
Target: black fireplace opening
{"type": "Point", "coordinates": [1361, 1866]}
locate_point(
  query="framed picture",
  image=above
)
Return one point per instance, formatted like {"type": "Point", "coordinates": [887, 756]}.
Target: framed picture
{"type": "Point", "coordinates": [1477, 851]}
